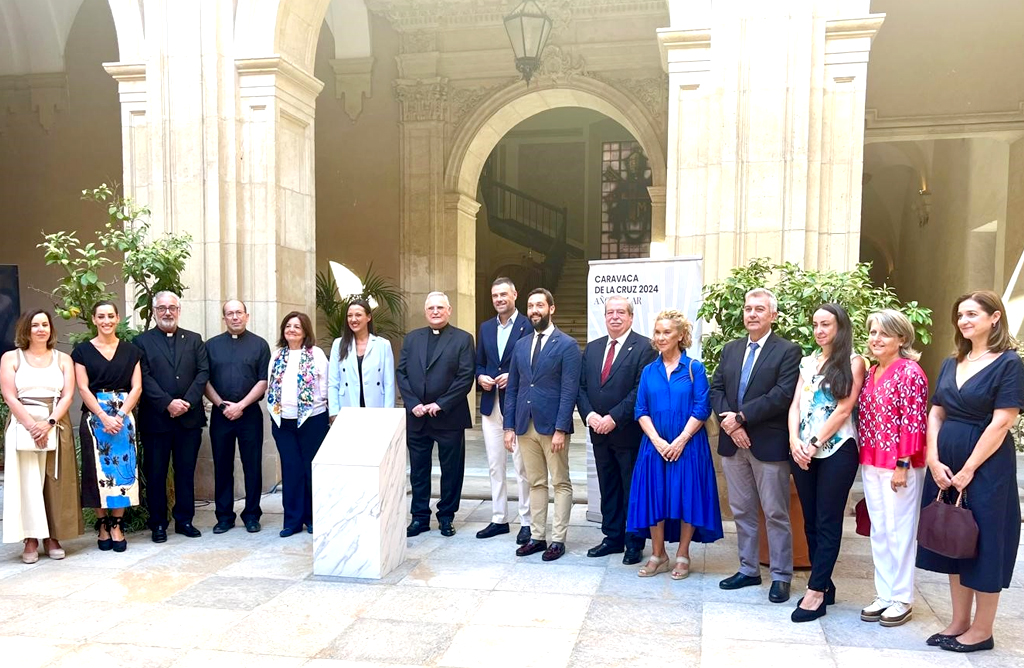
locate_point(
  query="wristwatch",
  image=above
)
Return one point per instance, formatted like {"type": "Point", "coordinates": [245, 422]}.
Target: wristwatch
{"type": "Point", "coordinates": [51, 421]}
{"type": "Point", "coordinates": [740, 420]}
{"type": "Point", "coordinates": [222, 406]}
{"type": "Point", "coordinates": [121, 414]}
{"type": "Point", "coordinates": [902, 464]}
{"type": "Point", "coordinates": [813, 442]}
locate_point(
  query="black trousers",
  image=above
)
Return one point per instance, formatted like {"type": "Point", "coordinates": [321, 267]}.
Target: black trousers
{"type": "Point", "coordinates": [158, 449]}
{"type": "Point", "coordinates": [823, 490]}
{"type": "Point", "coordinates": [247, 431]}
{"type": "Point", "coordinates": [614, 462]}
{"type": "Point", "coordinates": [297, 447]}
{"type": "Point", "coordinates": [451, 454]}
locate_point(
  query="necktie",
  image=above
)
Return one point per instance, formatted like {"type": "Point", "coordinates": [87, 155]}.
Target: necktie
{"type": "Point", "coordinates": [748, 364]}
{"type": "Point", "coordinates": [607, 368]}
{"type": "Point", "coordinates": [536, 351]}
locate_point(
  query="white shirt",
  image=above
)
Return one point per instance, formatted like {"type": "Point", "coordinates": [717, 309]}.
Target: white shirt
{"type": "Point", "coordinates": [619, 342]}
{"type": "Point", "coordinates": [757, 351]}
{"type": "Point", "coordinates": [505, 331]}
{"type": "Point", "coordinates": [544, 341]}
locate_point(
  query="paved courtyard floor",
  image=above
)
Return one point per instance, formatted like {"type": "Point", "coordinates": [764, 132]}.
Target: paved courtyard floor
{"type": "Point", "coordinates": [251, 600]}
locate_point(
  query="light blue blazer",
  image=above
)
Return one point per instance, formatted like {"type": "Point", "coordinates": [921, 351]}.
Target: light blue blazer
{"type": "Point", "coordinates": [378, 376]}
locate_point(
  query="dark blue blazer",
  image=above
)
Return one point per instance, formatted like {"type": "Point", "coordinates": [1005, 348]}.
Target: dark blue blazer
{"type": "Point", "coordinates": [487, 361]}
{"type": "Point", "coordinates": [547, 394]}
{"type": "Point", "coordinates": [617, 395]}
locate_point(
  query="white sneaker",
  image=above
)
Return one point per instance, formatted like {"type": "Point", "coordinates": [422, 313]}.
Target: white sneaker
{"type": "Point", "coordinates": [873, 612]}
{"type": "Point", "coordinates": [896, 614]}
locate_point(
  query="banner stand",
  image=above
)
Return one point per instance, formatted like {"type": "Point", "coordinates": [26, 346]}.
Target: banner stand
{"type": "Point", "coordinates": [652, 285]}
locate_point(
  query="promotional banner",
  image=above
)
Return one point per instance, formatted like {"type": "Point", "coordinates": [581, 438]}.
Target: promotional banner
{"type": "Point", "coordinates": [652, 285]}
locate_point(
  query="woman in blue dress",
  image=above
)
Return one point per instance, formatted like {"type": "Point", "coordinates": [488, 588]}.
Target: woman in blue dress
{"type": "Point", "coordinates": [978, 396]}
{"type": "Point", "coordinates": [674, 495]}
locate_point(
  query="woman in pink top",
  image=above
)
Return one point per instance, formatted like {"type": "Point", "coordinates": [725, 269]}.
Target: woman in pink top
{"type": "Point", "coordinates": [893, 415]}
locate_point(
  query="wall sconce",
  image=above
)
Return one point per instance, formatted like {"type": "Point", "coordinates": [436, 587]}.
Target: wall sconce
{"type": "Point", "coordinates": [924, 207]}
{"type": "Point", "coordinates": [528, 29]}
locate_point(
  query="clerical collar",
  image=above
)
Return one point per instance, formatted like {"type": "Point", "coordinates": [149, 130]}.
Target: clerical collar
{"type": "Point", "coordinates": [437, 332]}
{"type": "Point", "coordinates": [169, 334]}
{"type": "Point", "coordinates": [238, 336]}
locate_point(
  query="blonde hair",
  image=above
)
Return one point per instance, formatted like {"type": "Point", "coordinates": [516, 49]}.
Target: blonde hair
{"type": "Point", "coordinates": [683, 326]}
{"type": "Point", "coordinates": [894, 323]}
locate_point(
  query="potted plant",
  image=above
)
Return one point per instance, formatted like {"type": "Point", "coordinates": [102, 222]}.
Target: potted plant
{"type": "Point", "coordinates": [388, 315]}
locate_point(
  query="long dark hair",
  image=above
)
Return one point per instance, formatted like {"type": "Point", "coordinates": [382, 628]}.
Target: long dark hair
{"type": "Point", "coordinates": [347, 335]}
{"type": "Point", "coordinates": [837, 371]}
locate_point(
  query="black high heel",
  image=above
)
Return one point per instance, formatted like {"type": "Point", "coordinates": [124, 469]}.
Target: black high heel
{"type": "Point", "coordinates": [118, 545]}
{"type": "Point", "coordinates": [830, 595]}
{"type": "Point", "coordinates": [105, 544]}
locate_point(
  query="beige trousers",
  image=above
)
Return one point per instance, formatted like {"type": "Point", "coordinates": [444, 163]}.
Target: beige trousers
{"type": "Point", "coordinates": [541, 461]}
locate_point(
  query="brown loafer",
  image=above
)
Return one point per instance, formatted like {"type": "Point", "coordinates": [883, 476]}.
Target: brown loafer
{"type": "Point", "coordinates": [532, 547]}
{"type": "Point", "coordinates": [554, 551]}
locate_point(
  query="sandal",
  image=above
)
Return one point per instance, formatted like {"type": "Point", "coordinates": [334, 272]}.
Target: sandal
{"type": "Point", "coordinates": [103, 543]}
{"type": "Point", "coordinates": [654, 566]}
{"type": "Point", "coordinates": [30, 557]}
{"type": "Point", "coordinates": [54, 552]}
{"type": "Point", "coordinates": [681, 573]}
{"type": "Point", "coordinates": [117, 523]}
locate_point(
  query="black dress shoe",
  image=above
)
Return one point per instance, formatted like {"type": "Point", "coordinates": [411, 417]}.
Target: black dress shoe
{"type": "Point", "coordinates": [604, 549]}
{"type": "Point", "coordinates": [532, 547]}
{"type": "Point", "coordinates": [779, 593]}
{"type": "Point", "coordinates": [936, 639]}
{"type": "Point", "coordinates": [492, 530]}
{"type": "Point", "coordinates": [186, 529]}
{"type": "Point", "coordinates": [632, 556]}
{"type": "Point", "coordinates": [252, 526]}
{"type": "Point", "coordinates": [739, 581]}
{"type": "Point", "coordinates": [416, 527]}
{"type": "Point", "coordinates": [446, 528]}
{"type": "Point", "coordinates": [223, 526]}
{"type": "Point", "coordinates": [287, 531]}
{"type": "Point", "coordinates": [801, 615]}
{"type": "Point", "coordinates": [954, 645]}
{"type": "Point", "coordinates": [160, 535]}
{"type": "Point", "coordinates": [554, 551]}
{"type": "Point", "coordinates": [523, 537]}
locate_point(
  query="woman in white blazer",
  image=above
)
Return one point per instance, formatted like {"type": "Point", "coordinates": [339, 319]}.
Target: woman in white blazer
{"type": "Point", "coordinates": [361, 372]}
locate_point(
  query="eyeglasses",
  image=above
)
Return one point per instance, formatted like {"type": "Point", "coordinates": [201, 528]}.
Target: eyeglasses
{"type": "Point", "coordinates": [165, 309]}
{"type": "Point", "coordinates": [234, 314]}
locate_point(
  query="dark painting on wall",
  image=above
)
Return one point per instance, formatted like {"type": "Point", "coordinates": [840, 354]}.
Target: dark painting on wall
{"type": "Point", "coordinates": [10, 305]}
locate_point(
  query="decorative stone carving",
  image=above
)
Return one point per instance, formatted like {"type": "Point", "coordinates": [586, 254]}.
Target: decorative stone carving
{"type": "Point", "coordinates": [561, 64]}
{"type": "Point", "coordinates": [464, 100]}
{"type": "Point", "coordinates": [651, 92]}
{"type": "Point", "coordinates": [423, 100]}
{"type": "Point", "coordinates": [408, 15]}
{"type": "Point", "coordinates": [419, 41]}
{"type": "Point", "coordinates": [353, 79]}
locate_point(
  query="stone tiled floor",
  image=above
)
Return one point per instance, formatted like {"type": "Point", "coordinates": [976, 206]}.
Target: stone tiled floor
{"type": "Point", "coordinates": [251, 600]}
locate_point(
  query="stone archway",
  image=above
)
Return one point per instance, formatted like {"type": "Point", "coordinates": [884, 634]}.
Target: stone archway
{"type": "Point", "coordinates": [442, 255]}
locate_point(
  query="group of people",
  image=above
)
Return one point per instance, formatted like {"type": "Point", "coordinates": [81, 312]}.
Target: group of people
{"type": "Point", "coordinates": [817, 419]}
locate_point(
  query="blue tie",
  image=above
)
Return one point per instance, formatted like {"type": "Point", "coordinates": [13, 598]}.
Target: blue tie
{"type": "Point", "coordinates": [748, 365]}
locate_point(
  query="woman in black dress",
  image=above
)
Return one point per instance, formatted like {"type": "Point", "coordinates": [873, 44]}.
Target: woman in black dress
{"type": "Point", "coordinates": [979, 393]}
{"type": "Point", "coordinates": [110, 382]}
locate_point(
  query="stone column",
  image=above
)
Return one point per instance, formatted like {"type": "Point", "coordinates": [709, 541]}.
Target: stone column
{"type": "Point", "coordinates": [766, 132]}
{"type": "Point", "coordinates": [438, 229]}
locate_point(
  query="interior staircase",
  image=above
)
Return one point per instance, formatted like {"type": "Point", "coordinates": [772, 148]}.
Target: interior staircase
{"type": "Point", "coordinates": [571, 300]}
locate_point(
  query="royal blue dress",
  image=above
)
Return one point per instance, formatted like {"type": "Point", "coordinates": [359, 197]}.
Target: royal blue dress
{"type": "Point", "coordinates": [683, 490]}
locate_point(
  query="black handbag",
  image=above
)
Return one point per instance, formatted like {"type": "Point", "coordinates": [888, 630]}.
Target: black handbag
{"type": "Point", "coordinates": [948, 529]}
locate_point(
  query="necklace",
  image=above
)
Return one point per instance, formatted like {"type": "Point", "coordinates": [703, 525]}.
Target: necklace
{"type": "Point", "coordinates": [975, 359]}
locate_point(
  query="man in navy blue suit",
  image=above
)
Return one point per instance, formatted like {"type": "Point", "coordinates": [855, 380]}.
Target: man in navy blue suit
{"type": "Point", "coordinates": [543, 384]}
{"type": "Point", "coordinates": [494, 346]}
{"type": "Point", "coordinates": [611, 373]}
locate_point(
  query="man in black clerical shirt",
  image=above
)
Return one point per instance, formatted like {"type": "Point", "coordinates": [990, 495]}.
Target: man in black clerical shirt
{"type": "Point", "coordinates": [239, 361]}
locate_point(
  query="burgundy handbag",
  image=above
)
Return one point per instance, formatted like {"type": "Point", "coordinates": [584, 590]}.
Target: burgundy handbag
{"type": "Point", "coordinates": [948, 530]}
{"type": "Point", "coordinates": [860, 511]}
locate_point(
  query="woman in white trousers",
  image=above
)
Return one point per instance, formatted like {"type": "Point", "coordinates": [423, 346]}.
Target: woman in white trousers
{"type": "Point", "coordinates": [893, 419]}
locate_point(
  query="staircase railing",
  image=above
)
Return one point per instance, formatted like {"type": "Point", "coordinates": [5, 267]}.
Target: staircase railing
{"type": "Point", "coordinates": [528, 221]}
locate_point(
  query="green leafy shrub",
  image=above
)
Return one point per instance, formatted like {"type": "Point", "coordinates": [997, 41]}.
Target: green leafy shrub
{"type": "Point", "coordinates": [388, 316]}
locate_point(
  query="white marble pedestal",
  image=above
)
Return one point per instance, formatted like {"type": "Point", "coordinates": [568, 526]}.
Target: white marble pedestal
{"type": "Point", "coordinates": [359, 512]}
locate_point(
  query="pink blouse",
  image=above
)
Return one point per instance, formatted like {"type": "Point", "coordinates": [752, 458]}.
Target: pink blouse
{"type": "Point", "coordinates": [894, 415]}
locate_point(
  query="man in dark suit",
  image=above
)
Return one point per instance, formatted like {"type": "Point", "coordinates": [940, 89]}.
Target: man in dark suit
{"type": "Point", "coordinates": [435, 375]}
{"type": "Point", "coordinates": [543, 384]}
{"type": "Point", "coordinates": [494, 346]}
{"type": "Point", "coordinates": [610, 375]}
{"type": "Point", "coordinates": [171, 416]}
{"type": "Point", "coordinates": [751, 392]}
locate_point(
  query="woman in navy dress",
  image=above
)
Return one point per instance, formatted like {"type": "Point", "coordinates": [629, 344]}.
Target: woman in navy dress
{"type": "Point", "coordinates": [978, 396]}
{"type": "Point", "coordinates": [674, 495]}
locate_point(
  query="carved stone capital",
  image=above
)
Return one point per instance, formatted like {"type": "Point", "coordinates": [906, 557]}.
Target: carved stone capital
{"type": "Point", "coordinates": [353, 80]}
{"type": "Point", "coordinates": [423, 99]}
